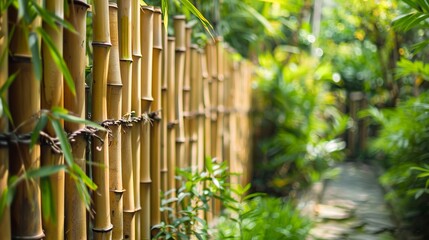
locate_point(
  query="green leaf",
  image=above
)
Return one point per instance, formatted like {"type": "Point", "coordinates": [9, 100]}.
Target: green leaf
{"type": "Point", "coordinates": [58, 59]}
{"type": "Point", "coordinates": [65, 145]}
{"type": "Point", "coordinates": [58, 112]}
{"type": "Point", "coordinates": [48, 205]}
{"type": "Point", "coordinates": [44, 171]}
{"type": "Point", "coordinates": [41, 124]}
{"type": "Point", "coordinates": [206, 24]}
{"type": "Point", "coordinates": [164, 7]}
{"type": "Point", "coordinates": [5, 108]}
{"type": "Point", "coordinates": [253, 195]}
{"type": "Point", "coordinates": [33, 42]}
{"type": "Point", "coordinates": [80, 173]}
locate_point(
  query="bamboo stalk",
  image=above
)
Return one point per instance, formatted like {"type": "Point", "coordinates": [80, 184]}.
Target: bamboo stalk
{"type": "Point", "coordinates": [74, 56]}
{"type": "Point", "coordinates": [179, 32]}
{"type": "Point", "coordinates": [155, 134]}
{"type": "Point", "coordinates": [125, 58]}
{"type": "Point", "coordinates": [114, 111]}
{"type": "Point", "coordinates": [52, 96]}
{"type": "Point", "coordinates": [146, 24]}
{"type": "Point", "coordinates": [207, 117]}
{"type": "Point", "coordinates": [171, 116]}
{"type": "Point", "coordinates": [136, 107]}
{"type": "Point", "coordinates": [187, 98]}
{"type": "Point", "coordinates": [212, 70]}
{"type": "Point", "coordinates": [26, 219]}
{"type": "Point", "coordinates": [164, 122]}
{"type": "Point", "coordinates": [193, 108]}
{"type": "Point", "coordinates": [101, 48]}
{"type": "Point", "coordinates": [201, 115]}
{"type": "Point", "coordinates": [234, 126]}
{"type": "Point", "coordinates": [5, 227]}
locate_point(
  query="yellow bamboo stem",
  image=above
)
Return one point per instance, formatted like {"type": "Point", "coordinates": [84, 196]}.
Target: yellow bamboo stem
{"type": "Point", "coordinates": [74, 56]}
{"type": "Point", "coordinates": [125, 58]}
{"type": "Point", "coordinates": [193, 108]}
{"type": "Point", "coordinates": [52, 96]}
{"type": "Point", "coordinates": [146, 25]}
{"type": "Point", "coordinates": [187, 98]}
{"type": "Point", "coordinates": [155, 134]}
{"type": "Point", "coordinates": [26, 219]}
{"type": "Point", "coordinates": [164, 122]}
{"type": "Point", "coordinates": [101, 48]}
{"type": "Point", "coordinates": [207, 117]}
{"type": "Point", "coordinates": [179, 32]}
{"type": "Point", "coordinates": [171, 116]}
{"type": "Point", "coordinates": [200, 100]}
{"type": "Point", "coordinates": [5, 227]}
{"type": "Point", "coordinates": [136, 107]}
{"type": "Point", "coordinates": [213, 83]}
{"type": "Point", "coordinates": [114, 111]}
{"type": "Point", "coordinates": [234, 126]}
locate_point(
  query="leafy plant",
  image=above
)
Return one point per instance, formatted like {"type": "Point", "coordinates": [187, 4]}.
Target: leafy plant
{"type": "Point", "coordinates": [262, 218]}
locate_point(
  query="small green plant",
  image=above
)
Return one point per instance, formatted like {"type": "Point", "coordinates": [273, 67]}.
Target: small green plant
{"type": "Point", "coordinates": [255, 217]}
{"type": "Point", "coordinates": [186, 213]}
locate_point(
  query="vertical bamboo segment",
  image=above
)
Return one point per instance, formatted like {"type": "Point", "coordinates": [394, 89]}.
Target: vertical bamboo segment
{"type": "Point", "coordinates": [114, 111]}
{"type": "Point", "coordinates": [125, 58]}
{"type": "Point", "coordinates": [52, 96]}
{"type": "Point", "coordinates": [155, 134]}
{"type": "Point", "coordinates": [136, 107]}
{"type": "Point", "coordinates": [171, 115]}
{"type": "Point", "coordinates": [212, 70]}
{"type": "Point", "coordinates": [187, 98]}
{"type": "Point", "coordinates": [74, 56]}
{"type": "Point", "coordinates": [26, 219]}
{"type": "Point", "coordinates": [146, 25]}
{"type": "Point", "coordinates": [200, 98]}
{"type": "Point", "coordinates": [101, 47]}
{"type": "Point", "coordinates": [233, 124]}
{"type": "Point", "coordinates": [179, 32]}
{"type": "Point", "coordinates": [5, 227]}
{"type": "Point", "coordinates": [193, 108]}
{"type": "Point", "coordinates": [207, 117]}
{"type": "Point", "coordinates": [164, 122]}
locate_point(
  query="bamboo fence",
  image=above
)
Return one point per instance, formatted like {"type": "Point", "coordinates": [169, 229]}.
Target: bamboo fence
{"type": "Point", "coordinates": [165, 102]}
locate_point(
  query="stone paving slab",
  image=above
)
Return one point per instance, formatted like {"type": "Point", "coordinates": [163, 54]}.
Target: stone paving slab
{"type": "Point", "coordinates": [352, 207]}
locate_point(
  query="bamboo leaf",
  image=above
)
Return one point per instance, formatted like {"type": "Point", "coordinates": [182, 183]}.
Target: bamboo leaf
{"type": "Point", "coordinates": [5, 108]}
{"type": "Point", "coordinates": [33, 41]}
{"type": "Point", "coordinates": [58, 112]}
{"type": "Point", "coordinates": [58, 59]}
{"type": "Point", "coordinates": [41, 124]}
{"type": "Point", "coordinates": [206, 24]}
{"type": "Point", "coordinates": [48, 205]}
{"type": "Point", "coordinates": [261, 19]}
{"type": "Point", "coordinates": [82, 175]}
{"type": "Point", "coordinates": [65, 145]}
{"type": "Point", "coordinates": [164, 7]}
{"type": "Point", "coordinates": [52, 19]}
{"type": "Point", "coordinates": [44, 171]}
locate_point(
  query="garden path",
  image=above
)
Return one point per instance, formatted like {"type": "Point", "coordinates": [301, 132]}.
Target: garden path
{"type": "Point", "coordinates": [352, 207]}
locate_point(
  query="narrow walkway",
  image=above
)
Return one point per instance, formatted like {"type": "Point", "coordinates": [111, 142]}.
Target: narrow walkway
{"type": "Point", "coordinates": [352, 207]}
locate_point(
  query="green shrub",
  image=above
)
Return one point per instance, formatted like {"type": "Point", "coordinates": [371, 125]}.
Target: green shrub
{"type": "Point", "coordinates": [262, 218]}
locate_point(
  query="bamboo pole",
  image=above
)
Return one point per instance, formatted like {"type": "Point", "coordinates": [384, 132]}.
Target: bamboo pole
{"type": "Point", "coordinates": [234, 126]}
{"type": "Point", "coordinates": [155, 134]}
{"type": "Point", "coordinates": [125, 58]}
{"type": "Point", "coordinates": [171, 116]}
{"type": "Point", "coordinates": [136, 107]}
{"type": "Point", "coordinates": [164, 122]}
{"type": "Point", "coordinates": [5, 227]}
{"type": "Point", "coordinates": [213, 83]}
{"type": "Point", "coordinates": [207, 116]}
{"type": "Point", "coordinates": [179, 33]}
{"type": "Point", "coordinates": [74, 56]}
{"type": "Point", "coordinates": [52, 95]}
{"type": "Point", "coordinates": [193, 109]}
{"type": "Point", "coordinates": [200, 116]}
{"type": "Point", "coordinates": [101, 48]}
{"type": "Point", "coordinates": [187, 98]}
{"type": "Point", "coordinates": [114, 111]}
{"type": "Point", "coordinates": [26, 219]}
{"type": "Point", "coordinates": [146, 22]}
